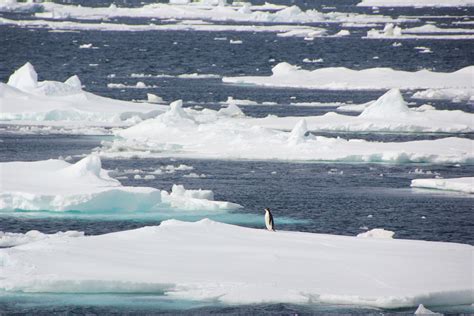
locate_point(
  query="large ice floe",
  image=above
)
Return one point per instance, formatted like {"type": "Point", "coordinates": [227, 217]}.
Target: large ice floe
{"type": "Point", "coordinates": [340, 78]}
{"type": "Point", "coordinates": [225, 134]}
{"type": "Point", "coordinates": [416, 3]}
{"type": "Point", "coordinates": [389, 113]}
{"type": "Point", "coordinates": [58, 186]}
{"type": "Point", "coordinates": [465, 184]}
{"type": "Point", "coordinates": [208, 260]}
{"type": "Point", "coordinates": [25, 100]}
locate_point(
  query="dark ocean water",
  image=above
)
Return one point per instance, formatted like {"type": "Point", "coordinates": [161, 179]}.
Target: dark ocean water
{"type": "Point", "coordinates": [336, 198]}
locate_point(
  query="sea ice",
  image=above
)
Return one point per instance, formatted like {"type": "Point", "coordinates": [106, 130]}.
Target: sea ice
{"type": "Point", "coordinates": [465, 184]}
{"type": "Point", "coordinates": [388, 113]}
{"type": "Point", "coordinates": [206, 134]}
{"type": "Point", "coordinates": [377, 233]}
{"type": "Point", "coordinates": [422, 310]}
{"type": "Point", "coordinates": [56, 185]}
{"type": "Point", "coordinates": [24, 99]}
{"type": "Point", "coordinates": [208, 260]}
{"type": "Point", "coordinates": [340, 78]}
{"type": "Point", "coordinates": [416, 3]}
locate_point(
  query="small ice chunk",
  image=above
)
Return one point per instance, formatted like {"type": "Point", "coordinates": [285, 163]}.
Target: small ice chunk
{"type": "Point", "coordinates": [86, 45]}
{"type": "Point", "coordinates": [422, 310]}
{"type": "Point", "coordinates": [24, 78]}
{"type": "Point", "coordinates": [377, 233]}
{"type": "Point", "coordinates": [153, 98]}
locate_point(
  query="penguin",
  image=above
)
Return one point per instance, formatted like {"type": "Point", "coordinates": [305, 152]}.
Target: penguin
{"type": "Point", "coordinates": [269, 220]}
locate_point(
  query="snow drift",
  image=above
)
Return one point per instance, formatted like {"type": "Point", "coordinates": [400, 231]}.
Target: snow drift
{"type": "Point", "coordinates": [213, 134]}
{"type": "Point", "coordinates": [465, 184]}
{"type": "Point", "coordinates": [340, 78]}
{"type": "Point", "coordinates": [207, 260]}
{"type": "Point", "coordinates": [58, 186]}
{"type": "Point", "coordinates": [24, 99]}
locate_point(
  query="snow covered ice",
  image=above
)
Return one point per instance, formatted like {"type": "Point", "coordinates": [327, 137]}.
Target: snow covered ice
{"type": "Point", "coordinates": [25, 100]}
{"type": "Point", "coordinates": [139, 152]}
{"type": "Point", "coordinates": [58, 186]}
{"type": "Point", "coordinates": [340, 78]}
{"type": "Point", "coordinates": [175, 259]}
{"type": "Point", "coordinates": [465, 184]}
{"type": "Point", "coordinates": [220, 135]}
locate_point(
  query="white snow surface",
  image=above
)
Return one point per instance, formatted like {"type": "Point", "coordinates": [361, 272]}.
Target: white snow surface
{"type": "Point", "coordinates": [24, 98]}
{"type": "Point", "coordinates": [14, 239]}
{"type": "Point", "coordinates": [465, 184]}
{"type": "Point", "coordinates": [56, 185]}
{"type": "Point", "coordinates": [416, 3]}
{"type": "Point", "coordinates": [207, 260]}
{"type": "Point", "coordinates": [340, 78]}
{"type": "Point", "coordinates": [212, 134]}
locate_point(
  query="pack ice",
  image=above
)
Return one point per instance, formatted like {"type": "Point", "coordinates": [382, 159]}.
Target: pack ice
{"type": "Point", "coordinates": [25, 100]}
{"type": "Point", "coordinates": [58, 186]}
{"type": "Point", "coordinates": [340, 78]}
{"type": "Point", "coordinates": [225, 134]}
{"type": "Point", "coordinates": [244, 265]}
{"type": "Point", "coordinates": [220, 11]}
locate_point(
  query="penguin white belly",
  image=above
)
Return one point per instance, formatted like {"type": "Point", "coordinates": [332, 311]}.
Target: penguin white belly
{"type": "Point", "coordinates": [268, 221]}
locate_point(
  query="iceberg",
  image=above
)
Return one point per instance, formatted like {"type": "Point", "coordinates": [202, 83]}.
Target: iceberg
{"type": "Point", "coordinates": [208, 260]}
{"type": "Point", "coordinates": [340, 78]}
{"type": "Point", "coordinates": [465, 184]}
{"type": "Point", "coordinates": [208, 134]}
{"type": "Point", "coordinates": [25, 100]}
{"type": "Point", "coordinates": [58, 186]}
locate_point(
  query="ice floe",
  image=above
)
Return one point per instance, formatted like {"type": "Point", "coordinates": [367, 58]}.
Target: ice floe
{"type": "Point", "coordinates": [391, 31]}
{"type": "Point", "coordinates": [388, 113]}
{"type": "Point", "coordinates": [455, 95]}
{"type": "Point", "coordinates": [197, 261]}
{"type": "Point", "coordinates": [207, 134]}
{"type": "Point", "coordinates": [58, 186]}
{"type": "Point", "coordinates": [416, 3]}
{"type": "Point", "coordinates": [25, 100]}
{"type": "Point", "coordinates": [340, 78]}
{"type": "Point", "coordinates": [465, 184]}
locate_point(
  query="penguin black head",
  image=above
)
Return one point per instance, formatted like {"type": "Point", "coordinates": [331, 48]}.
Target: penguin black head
{"type": "Point", "coordinates": [267, 209]}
